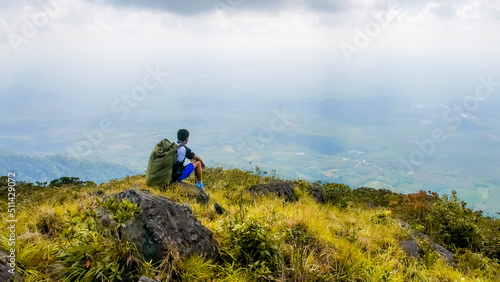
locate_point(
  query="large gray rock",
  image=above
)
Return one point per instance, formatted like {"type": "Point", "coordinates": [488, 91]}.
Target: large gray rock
{"type": "Point", "coordinates": [5, 275]}
{"type": "Point", "coordinates": [194, 192]}
{"type": "Point", "coordinates": [444, 253]}
{"type": "Point", "coordinates": [162, 226]}
{"type": "Point", "coordinates": [413, 249]}
{"type": "Point", "coordinates": [219, 209]}
{"type": "Point", "coordinates": [281, 189]}
{"type": "Point", "coordinates": [318, 193]}
{"type": "Point", "coordinates": [147, 279]}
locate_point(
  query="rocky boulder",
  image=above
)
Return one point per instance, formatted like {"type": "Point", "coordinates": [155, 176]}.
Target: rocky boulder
{"type": "Point", "coordinates": [194, 192]}
{"type": "Point", "coordinates": [411, 248]}
{"type": "Point", "coordinates": [444, 253]}
{"type": "Point", "coordinates": [162, 227]}
{"type": "Point", "coordinates": [318, 193]}
{"type": "Point", "coordinates": [147, 279]}
{"type": "Point", "coordinates": [5, 275]}
{"type": "Point", "coordinates": [219, 209]}
{"type": "Point", "coordinates": [414, 249]}
{"type": "Point", "coordinates": [281, 189]}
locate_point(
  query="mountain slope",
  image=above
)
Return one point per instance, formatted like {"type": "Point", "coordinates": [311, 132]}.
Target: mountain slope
{"type": "Point", "coordinates": [355, 235]}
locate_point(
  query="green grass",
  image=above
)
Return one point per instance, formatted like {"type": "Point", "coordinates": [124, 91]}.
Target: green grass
{"type": "Point", "coordinates": [260, 237]}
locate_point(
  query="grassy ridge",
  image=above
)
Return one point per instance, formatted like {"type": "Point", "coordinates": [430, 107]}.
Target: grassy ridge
{"type": "Point", "coordinates": [354, 236]}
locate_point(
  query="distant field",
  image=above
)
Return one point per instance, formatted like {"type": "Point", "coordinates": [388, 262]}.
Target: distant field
{"type": "Point", "coordinates": [359, 142]}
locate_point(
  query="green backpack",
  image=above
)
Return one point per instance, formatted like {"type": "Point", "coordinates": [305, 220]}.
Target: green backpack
{"type": "Point", "coordinates": [161, 163]}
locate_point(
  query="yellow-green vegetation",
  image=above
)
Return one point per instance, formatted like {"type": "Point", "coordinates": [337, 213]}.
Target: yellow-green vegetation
{"type": "Point", "coordinates": [353, 236]}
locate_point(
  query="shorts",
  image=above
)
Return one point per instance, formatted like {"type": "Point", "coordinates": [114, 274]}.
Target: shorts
{"type": "Point", "coordinates": [186, 171]}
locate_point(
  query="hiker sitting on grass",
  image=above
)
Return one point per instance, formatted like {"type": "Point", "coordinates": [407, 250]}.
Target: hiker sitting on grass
{"type": "Point", "coordinates": [197, 165]}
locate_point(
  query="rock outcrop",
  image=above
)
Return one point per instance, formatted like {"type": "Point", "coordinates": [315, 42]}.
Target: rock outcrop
{"type": "Point", "coordinates": [219, 209]}
{"type": "Point", "coordinates": [444, 253]}
{"type": "Point", "coordinates": [162, 227]}
{"type": "Point", "coordinates": [147, 279]}
{"type": "Point", "coordinates": [281, 189]}
{"type": "Point", "coordinates": [414, 249]}
{"type": "Point", "coordinates": [5, 275]}
{"type": "Point", "coordinates": [318, 193]}
{"type": "Point", "coordinates": [194, 192]}
{"type": "Point", "coordinates": [411, 248]}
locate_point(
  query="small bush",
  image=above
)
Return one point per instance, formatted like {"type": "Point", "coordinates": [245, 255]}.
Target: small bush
{"type": "Point", "coordinates": [299, 241]}
{"type": "Point", "coordinates": [251, 244]}
{"type": "Point", "coordinates": [375, 198]}
{"type": "Point", "coordinates": [450, 223]}
{"type": "Point", "coordinates": [337, 194]}
{"type": "Point", "coordinates": [120, 211]}
{"type": "Point", "coordinates": [49, 222]}
{"type": "Point", "coordinates": [415, 207]}
{"type": "Point", "coordinates": [89, 254]}
{"type": "Point", "coordinates": [490, 232]}
{"type": "Point", "coordinates": [383, 217]}
{"type": "Point", "coordinates": [3, 181]}
{"type": "Point", "coordinates": [66, 181]}
{"type": "Point", "coordinates": [477, 265]}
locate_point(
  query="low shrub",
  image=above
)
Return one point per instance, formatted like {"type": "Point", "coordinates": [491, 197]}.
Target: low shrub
{"type": "Point", "coordinates": [475, 264]}
{"type": "Point", "coordinates": [252, 244]}
{"type": "Point", "coordinates": [338, 194]}
{"type": "Point", "coordinates": [49, 222]}
{"type": "Point", "coordinates": [375, 198]}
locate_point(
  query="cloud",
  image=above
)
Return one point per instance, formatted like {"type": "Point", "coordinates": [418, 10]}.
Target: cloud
{"type": "Point", "coordinates": [480, 9]}
{"type": "Point", "coordinates": [196, 7]}
{"type": "Point", "coordinates": [463, 9]}
{"type": "Point", "coordinates": [443, 10]}
{"type": "Point", "coordinates": [185, 7]}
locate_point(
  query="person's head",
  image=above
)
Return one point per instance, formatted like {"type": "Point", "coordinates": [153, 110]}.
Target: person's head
{"type": "Point", "coordinates": [182, 135]}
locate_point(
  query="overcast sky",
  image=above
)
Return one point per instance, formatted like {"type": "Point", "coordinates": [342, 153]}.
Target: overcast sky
{"type": "Point", "coordinates": [69, 62]}
{"type": "Point", "coordinates": [97, 46]}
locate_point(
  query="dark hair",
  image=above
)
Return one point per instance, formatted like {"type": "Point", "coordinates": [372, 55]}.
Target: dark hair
{"type": "Point", "coordinates": [182, 134]}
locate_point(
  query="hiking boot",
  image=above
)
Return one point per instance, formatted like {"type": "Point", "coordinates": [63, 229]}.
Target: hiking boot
{"type": "Point", "coordinates": [200, 185]}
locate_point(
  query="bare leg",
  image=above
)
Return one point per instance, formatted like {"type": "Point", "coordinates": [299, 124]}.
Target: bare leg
{"type": "Point", "coordinates": [198, 171]}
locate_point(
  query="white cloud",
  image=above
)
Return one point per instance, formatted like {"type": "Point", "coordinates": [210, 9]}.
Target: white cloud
{"type": "Point", "coordinates": [480, 10]}
{"type": "Point", "coordinates": [442, 9]}
{"type": "Point", "coordinates": [229, 149]}
{"type": "Point", "coordinates": [197, 7]}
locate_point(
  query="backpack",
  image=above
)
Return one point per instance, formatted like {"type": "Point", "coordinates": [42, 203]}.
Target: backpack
{"type": "Point", "coordinates": [161, 163]}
